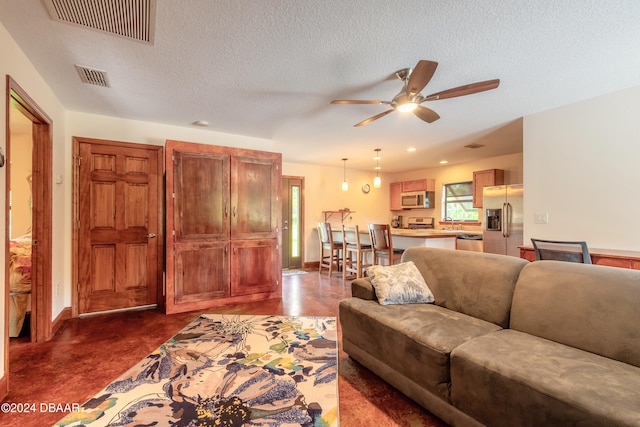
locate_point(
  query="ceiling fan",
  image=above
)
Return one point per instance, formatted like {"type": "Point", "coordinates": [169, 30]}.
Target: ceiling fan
{"type": "Point", "coordinates": [410, 98]}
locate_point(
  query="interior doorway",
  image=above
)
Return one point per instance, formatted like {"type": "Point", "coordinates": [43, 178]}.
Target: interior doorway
{"type": "Point", "coordinates": [20, 227]}
{"type": "Point", "coordinates": [292, 221]}
{"type": "Point", "coordinates": [28, 216]}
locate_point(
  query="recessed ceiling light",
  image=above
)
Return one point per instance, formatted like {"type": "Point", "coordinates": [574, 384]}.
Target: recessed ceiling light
{"type": "Point", "coordinates": [443, 162]}
{"type": "Point", "coordinates": [201, 123]}
{"type": "Point", "coordinates": [411, 149]}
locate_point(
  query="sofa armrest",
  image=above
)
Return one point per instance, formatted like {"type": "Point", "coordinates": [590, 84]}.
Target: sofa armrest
{"type": "Point", "coordinates": [363, 289]}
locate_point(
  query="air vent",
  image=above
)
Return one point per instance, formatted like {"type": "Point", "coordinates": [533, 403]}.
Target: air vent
{"type": "Point", "coordinates": [473, 145]}
{"type": "Point", "coordinates": [132, 19]}
{"type": "Point", "coordinates": [93, 76]}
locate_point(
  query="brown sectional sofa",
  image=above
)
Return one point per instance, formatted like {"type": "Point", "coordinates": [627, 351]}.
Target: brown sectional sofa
{"type": "Point", "coordinates": [507, 342]}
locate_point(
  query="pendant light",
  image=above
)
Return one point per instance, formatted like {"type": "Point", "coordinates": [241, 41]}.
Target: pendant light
{"type": "Point", "coordinates": [376, 181]}
{"type": "Point", "coordinates": [345, 186]}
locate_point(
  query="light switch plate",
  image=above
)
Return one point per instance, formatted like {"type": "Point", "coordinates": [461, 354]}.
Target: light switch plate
{"type": "Point", "coordinates": [541, 218]}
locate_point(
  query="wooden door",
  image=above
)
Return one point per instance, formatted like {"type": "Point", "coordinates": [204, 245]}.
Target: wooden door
{"type": "Point", "coordinates": [200, 219]}
{"type": "Point", "coordinates": [120, 232]}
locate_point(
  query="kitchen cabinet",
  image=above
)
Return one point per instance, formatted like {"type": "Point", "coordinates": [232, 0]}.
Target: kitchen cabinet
{"type": "Point", "coordinates": [485, 178]}
{"type": "Point", "coordinates": [414, 185]}
{"type": "Point", "coordinates": [607, 257]}
{"type": "Point", "coordinates": [223, 216]}
{"type": "Point", "coordinates": [397, 188]}
{"type": "Point", "coordinates": [418, 185]}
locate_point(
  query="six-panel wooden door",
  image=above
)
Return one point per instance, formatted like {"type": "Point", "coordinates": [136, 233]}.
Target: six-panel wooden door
{"type": "Point", "coordinates": [119, 227]}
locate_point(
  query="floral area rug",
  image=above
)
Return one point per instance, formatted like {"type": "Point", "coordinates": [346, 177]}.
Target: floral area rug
{"type": "Point", "coordinates": [228, 370]}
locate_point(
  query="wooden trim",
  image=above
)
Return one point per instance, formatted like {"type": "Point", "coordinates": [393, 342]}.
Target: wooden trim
{"type": "Point", "coordinates": [58, 322]}
{"type": "Point", "coordinates": [76, 140]}
{"type": "Point", "coordinates": [312, 265]}
{"type": "Point", "coordinates": [5, 381]}
{"type": "Point", "coordinates": [42, 205]}
{"type": "Point", "coordinates": [4, 387]}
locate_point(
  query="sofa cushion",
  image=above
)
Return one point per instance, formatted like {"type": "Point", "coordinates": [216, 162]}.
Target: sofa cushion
{"type": "Point", "coordinates": [509, 378]}
{"type": "Point", "coordinates": [590, 307]}
{"type": "Point", "coordinates": [399, 284]}
{"type": "Point", "coordinates": [474, 283]}
{"type": "Point", "coordinates": [415, 339]}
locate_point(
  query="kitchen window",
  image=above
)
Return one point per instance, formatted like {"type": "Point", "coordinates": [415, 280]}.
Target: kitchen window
{"type": "Point", "coordinates": [458, 202]}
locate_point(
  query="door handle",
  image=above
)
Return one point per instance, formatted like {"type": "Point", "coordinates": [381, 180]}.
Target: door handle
{"type": "Point", "coordinates": [151, 235]}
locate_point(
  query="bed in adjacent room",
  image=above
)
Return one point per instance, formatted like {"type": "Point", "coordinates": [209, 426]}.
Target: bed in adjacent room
{"type": "Point", "coordinates": [19, 283]}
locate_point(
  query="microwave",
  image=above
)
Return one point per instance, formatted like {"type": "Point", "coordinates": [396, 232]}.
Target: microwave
{"type": "Point", "coordinates": [417, 199]}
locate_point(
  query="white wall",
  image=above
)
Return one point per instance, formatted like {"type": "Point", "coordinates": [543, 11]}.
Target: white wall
{"type": "Point", "coordinates": [323, 192]}
{"type": "Point", "coordinates": [13, 62]}
{"type": "Point", "coordinates": [581, 166]}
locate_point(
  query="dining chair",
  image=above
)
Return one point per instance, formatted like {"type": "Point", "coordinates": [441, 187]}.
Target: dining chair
{"type": "Point", "coordinates": [382, 244]}
{"type": "Point", "coordinates": [570, 251]}
{"type": "Point", "coordinates": [330, 251]}
{"type": "Point", "coordinates": [353, 251]}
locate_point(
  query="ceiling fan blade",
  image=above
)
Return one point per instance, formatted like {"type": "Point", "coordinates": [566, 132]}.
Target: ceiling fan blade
{"type": "Point", "coordinates": [356, 101]}
{"type": "Point", "coordinates": [376, 117]}
{"type": "Point", "coordinates": [420, 76]}
{"type": "Point", "coordinates": [464, 90]}
{"type": "Point", "coordinates": [426, 114]}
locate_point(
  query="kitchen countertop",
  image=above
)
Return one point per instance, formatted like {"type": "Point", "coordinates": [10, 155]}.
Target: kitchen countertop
{"type": "Point", "coordinates": [431, 233]}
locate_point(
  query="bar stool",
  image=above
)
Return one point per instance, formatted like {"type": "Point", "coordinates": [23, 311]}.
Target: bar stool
{"type": "Point", "coordinates": [382, 244]}
{"type": "Point", "coordinates": [354, 251]}
{"type": "Point", "coordinates": [330, 251]}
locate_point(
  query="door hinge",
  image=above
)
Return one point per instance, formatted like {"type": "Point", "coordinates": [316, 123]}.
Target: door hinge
{"type": "Point", "coordinates": [79, 158]}
{"type": "Point", "coordinates": [78, 287]}
{"type": "Point", "coordinates": [173, 195]}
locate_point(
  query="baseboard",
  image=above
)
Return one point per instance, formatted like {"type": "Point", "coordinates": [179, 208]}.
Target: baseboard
{"type": "Point", "coordinates": [313, 265]}
{"type": "Point", "coordinates": [4, 387]}
{"type": "Point", "coordinates": [64, 315]}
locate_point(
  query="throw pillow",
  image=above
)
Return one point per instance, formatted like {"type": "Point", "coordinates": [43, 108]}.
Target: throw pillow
{"type": "Point", "coordinates": [399, 284]}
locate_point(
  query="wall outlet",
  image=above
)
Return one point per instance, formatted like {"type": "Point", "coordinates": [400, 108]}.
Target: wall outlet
{"type": "Point", "coordinates": [541, 218]}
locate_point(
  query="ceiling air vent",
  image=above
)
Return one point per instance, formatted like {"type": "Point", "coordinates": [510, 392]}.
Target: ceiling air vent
{"type": "Point", "coordinates": [93, 76]}
{"type": "Point", "coordinates": [474, 145]}
{"type": "Point", "coordinates": [132, 19]}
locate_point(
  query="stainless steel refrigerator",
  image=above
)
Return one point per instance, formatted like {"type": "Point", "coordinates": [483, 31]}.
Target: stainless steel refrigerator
{"type": "Point", "coordinates": [503, 217]}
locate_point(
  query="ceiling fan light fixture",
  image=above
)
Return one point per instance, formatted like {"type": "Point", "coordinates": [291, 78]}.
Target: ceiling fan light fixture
{"type": "Point", "coordinates": [407, 107]}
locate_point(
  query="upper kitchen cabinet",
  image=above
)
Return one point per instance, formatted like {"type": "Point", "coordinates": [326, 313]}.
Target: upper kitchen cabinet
{"type": "Point", "coordinates": [395, 191]}
{"type": "Point", "coordinates": [222, 217]}
{"type": "Point", "coordinates": [485, 178]}
{"type": "Point", "coordinates": [418, 185]}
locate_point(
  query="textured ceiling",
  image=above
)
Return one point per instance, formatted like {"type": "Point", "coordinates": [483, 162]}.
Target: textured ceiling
{"type": "Point", "coordinates": [269, 69]}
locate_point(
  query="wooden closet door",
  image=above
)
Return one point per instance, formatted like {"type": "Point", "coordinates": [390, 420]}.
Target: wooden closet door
{"type": "Point", "coordinates": [198, 266]}
{"type": "Point", "coordinates": [255, 188]}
